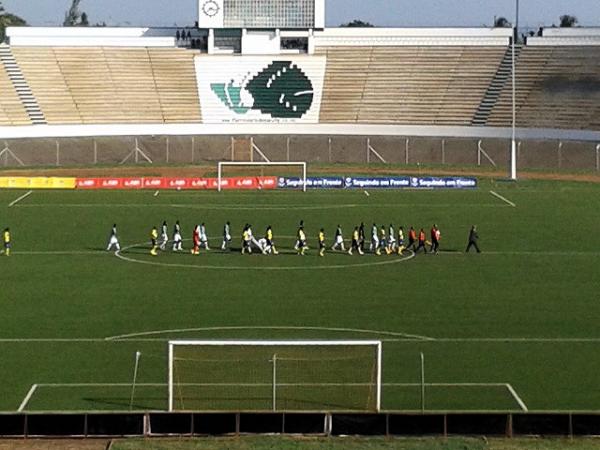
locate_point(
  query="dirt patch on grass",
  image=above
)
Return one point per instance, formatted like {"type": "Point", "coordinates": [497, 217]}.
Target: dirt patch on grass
{"type": "Point", "coordinates": [55, 444]}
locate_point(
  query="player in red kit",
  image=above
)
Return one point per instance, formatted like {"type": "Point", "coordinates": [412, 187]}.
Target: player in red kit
{"type": "Point", "coordinates": [422, 241]}
{"type": "Point", "coordinates": [196, 240]}
{"type": "Point", "coordinates": [435, 239]}
{"type": "Point", "coordinates": [412, 239]}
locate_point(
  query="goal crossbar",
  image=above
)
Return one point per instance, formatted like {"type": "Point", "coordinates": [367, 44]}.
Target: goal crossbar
{"type": "Point", "coordinates": [222, 164]}
{"type": "Point", "coordinates": [281, 343]}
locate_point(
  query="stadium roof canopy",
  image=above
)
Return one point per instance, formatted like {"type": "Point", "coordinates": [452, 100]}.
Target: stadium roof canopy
{"type": "Point", "coordinates": [256, 41]}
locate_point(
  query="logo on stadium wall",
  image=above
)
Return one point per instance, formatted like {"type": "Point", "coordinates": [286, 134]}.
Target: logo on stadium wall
{"type": "Point", "coordinates": [250, 89]}
{"type": "Point", "coordinates": [281, 90]}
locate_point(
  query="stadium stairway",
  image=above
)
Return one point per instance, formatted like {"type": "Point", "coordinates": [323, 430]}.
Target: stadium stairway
{"type": "Point", "coordinates": [21, 86]}
{"type": "Point", "coordinates": [495, 88]}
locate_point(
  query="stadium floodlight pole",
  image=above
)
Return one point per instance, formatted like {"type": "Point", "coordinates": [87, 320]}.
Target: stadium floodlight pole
{"type": "Point", "coordinates": [135, 371]}
{"type": "Point", "coordinates": [513, 142]}
{"type": "Point", "coordinates": [516, 20]}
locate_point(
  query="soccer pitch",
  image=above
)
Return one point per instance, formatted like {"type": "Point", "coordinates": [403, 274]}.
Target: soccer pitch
{"type": "Point", "coordinates": [512, 329]}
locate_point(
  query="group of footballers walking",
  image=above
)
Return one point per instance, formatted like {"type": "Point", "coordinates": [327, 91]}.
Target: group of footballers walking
{"type": "Point", "coordinates": [383, 240]}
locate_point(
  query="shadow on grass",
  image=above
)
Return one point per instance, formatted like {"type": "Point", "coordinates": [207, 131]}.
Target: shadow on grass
{"type": "Point", "coordinates": [120, 403]}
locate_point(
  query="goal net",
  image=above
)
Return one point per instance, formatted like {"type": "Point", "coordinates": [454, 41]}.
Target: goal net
{"type": "Point", "coordinates": [290, 170]}
{"type": "Point", "coordinates": [274, 376]}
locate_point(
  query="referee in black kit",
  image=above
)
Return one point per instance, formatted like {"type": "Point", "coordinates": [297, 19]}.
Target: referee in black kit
{"type": "Point", "coordinates": [473, 238]}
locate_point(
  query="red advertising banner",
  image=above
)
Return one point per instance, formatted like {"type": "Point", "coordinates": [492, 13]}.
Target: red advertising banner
{"type": "Point", "coordinates": [133, 183]}
{"type": "Point", "coordinates": [154, 183]}
{"type": "Point", "coordinates": [86, 183]}
{"type": "Point", "coordinates": [110, 183]}
{"type": "Point", "coordinates": [183, 183]}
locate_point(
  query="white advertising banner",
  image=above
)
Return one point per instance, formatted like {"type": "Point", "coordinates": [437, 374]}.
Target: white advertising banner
{"type": "Point", "coordinates": [260, 89]}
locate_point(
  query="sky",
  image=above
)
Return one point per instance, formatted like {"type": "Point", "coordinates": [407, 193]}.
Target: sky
{"type": "Point", "coordinates": [395, 13]}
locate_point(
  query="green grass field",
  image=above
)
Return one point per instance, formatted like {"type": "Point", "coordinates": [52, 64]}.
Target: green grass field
{"type": "Point", "coordinates": [514, 327]}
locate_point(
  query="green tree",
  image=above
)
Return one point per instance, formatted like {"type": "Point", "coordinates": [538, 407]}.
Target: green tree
{"type": "Point", "coordinates": [8, 20]}
{"type": "Point", "coordinates": [501, 22]}
{"type": "Point", "coordinates": [356, 23]}
{"type": "Point", "coordinates": [74, 17]}
{"type": "Point", "coordinates": [568, 21]}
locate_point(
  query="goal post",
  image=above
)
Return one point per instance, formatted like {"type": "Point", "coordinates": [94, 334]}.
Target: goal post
{"type": "Point", "coordinates": [283, 376]}
{"type": "Point", "coordinates": [224, 164]}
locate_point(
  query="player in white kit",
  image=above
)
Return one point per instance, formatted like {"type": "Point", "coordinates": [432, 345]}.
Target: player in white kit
{"type": "Point", "coordinates": [203, 236]}
{"type": "Point", "coordinates": [177, 240]}
{"type": "Point", "coordinates": [374, 247]}
{"type": "Point", "coordinates": [226, 236]}
{"type": "Point", "coordinates": [339, 240]}
{"type": "Point", "coordinates": [113, 240]}
{"type": "Point", "coordinates": [391, 244]}
{"type": "Point", "coordinates": [164, 236]}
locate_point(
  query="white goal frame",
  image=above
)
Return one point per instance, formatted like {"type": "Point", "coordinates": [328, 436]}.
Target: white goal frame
{"type": "Point", "coordinates": [222, 164]}
{"type": "Point", "coordinates": [200, 343]}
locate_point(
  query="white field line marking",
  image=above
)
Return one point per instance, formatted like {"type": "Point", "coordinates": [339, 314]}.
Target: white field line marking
{"type": "Point", "coordinates": [79, 385]}
{"type": "Point", "coordinates": [449, 253]}
{"type": "Point", "coordinates": [119, 255]}
{"type": "Point", "coordinates": [550, 253]}
{"type": "Point", "coordinates": [94, 385]}
{"type": "Point", "coordinates": [516, 253]}
{"type": "Point", "coordinates": [230, 207]}
{"type": "Point", "coordinates": [192, 206]}
{"type": "Point", "coordinates": [400, 337]}
{"type": "Point", "coordinates": [14, 202]}
{"type": "Point", "coordinates": [447, 384]}
{"type": "Point", "coordinates": [516, 397]}
{"type": "Point", "coordinates": [504, 199]}
{"type": "Point", "coordinates": [165, 339]}
{"type": "Point", "coordinates": [515, 340]}
{"type": "Point", "coordinates": [525, 253]}
{"type": "Point", "coordinates": [408, 340]}
{"type": "Point", "coordinates": [27, 398]}
{"type": "Point", "coordinates": [50, 340]}
{"type": "Point", "coordinates": [403, 337]}
{"type": "Point", "coordinates": [281, 328]}
{"type": "Point", "coordinates": [62, 252]}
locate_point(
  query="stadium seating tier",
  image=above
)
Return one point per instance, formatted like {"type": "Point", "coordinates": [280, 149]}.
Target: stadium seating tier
{"type": "Point", "coordinates": [557, 87]}
{"type": "Point", "coordinates": [95, 85]}
{"type": "Point", "coordinates": [406, 85]}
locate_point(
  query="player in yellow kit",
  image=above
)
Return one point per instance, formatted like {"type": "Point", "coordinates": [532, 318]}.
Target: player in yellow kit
{"type": "Point", "coordinates": [355, 242]}
{"type": "Point", "coordinates": [6, 240]}
{"type": "Point", "coordinates": [301, 241]}
{"type": "Point", "coordinates": [153, 240]}
{"type": "Point", "coordinates": [270, 245]}
{"type": "Point", "coordinates": [322, 242]}
{"type": "Point", "coordinates": [400, 240]}
{"type": "Point", "coordinates": [246, 240]}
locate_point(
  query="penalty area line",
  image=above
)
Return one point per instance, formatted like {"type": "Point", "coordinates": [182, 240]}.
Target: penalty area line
{"type": "Point", "coordinates": [27, 398]}
{"type": "Point", "coordinates": [504, 199]}
{"type": "Point", "coordinates": [518, 399]}
{"type": "Point", "coordinates": [22, 197]}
